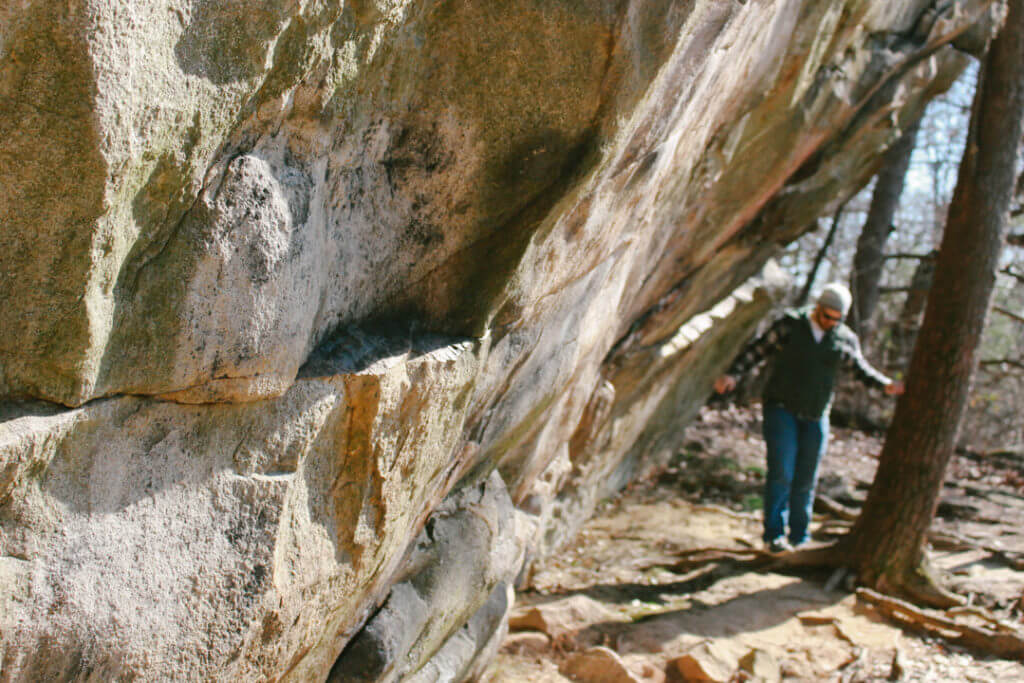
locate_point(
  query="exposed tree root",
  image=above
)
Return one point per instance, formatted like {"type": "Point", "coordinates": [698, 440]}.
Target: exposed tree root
{"type": "Point", "coordinates": [996, 637]}
{"type": "Point", "coordinates": [918, 585]}
{"type": "Point", "coordinates": [984, 615]}
{"type": "Point", "coordinates": [941, 540]}
{"type": "Point", "coordinates": [986, 634]}
{"type": "Point", "coordinates": [1000, 642]}
{"type": "Point", "coordinates": [821, 555]}
{"type": "Point", "coordinates": [975, 489]}
{"type": "Point", "coordinates": [835, 508]}
{"type": "Point", "coordinates": [834, 528]}
{"type": "Point", "coordinates": [699, 557]}
{"type": "Point", "coordinates": [921, 586]}
{"type": "Point", "coordinates": [810, 556]}
{"type": "Point", "coordinates": [950, 541]}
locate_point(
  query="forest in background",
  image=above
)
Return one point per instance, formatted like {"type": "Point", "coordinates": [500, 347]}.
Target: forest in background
{"type": "Point", "coordinates": [993, 420]}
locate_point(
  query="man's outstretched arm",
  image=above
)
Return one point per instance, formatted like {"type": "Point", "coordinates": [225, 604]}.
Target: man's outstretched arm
{"type": "Point", "coordinates": [754, 354]}
{"type": "Point", "coordinates": [867, 375]}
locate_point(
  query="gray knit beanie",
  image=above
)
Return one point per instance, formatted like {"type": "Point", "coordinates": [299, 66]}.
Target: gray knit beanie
{"type": "Point", "coordinates": [835, 296]}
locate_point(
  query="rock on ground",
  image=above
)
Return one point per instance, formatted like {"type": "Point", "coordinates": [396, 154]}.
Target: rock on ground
{"type": "Point", "coordinates": [598, 665]}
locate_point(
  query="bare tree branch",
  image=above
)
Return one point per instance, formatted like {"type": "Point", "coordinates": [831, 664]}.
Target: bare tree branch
{"type": "Point", "coordinates": [906, 255]}
{"type": "Point", "coordinates": [1009, 314]}
{"type": "Point", "coordinates": [1000, 362]}
{"type": "Point", "coordinates": [897, 290]}
{"type": "Point", "coordinates": [805, 294]}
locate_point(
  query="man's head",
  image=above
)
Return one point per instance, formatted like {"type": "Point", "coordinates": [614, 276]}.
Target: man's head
{"type": "Point", "coordinates": [833, 304]}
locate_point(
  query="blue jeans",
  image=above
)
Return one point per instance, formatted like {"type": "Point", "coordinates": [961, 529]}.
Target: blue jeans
{"type": "Point", "coordinates": [795, 447]}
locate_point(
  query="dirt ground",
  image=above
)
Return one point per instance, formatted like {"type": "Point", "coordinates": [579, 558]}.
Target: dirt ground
{"type": "Point", "coordinates": [612, 608]}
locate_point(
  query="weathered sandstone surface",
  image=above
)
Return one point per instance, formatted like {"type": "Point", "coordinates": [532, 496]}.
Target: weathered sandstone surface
{"type": "Point", "coordinates": [321, 318]}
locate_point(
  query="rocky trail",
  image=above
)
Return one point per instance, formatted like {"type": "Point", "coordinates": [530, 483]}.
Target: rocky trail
{"type": "Point", "coordinates": [618, 605]}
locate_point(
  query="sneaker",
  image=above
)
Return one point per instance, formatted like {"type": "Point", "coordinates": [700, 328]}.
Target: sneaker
{"type": "Point", "coordinates": [779, 545]}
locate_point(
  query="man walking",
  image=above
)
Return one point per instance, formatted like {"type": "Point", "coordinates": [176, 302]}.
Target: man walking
{"type": "Point", "coordinates": [809, 348]}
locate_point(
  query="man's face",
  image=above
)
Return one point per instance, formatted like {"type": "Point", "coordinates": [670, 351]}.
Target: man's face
{"type": "Point", "coordinates": [827, 318]}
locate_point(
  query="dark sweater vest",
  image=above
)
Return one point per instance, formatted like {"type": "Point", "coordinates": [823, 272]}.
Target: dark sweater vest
{"type": "Point", "coordinates": [804, 374]}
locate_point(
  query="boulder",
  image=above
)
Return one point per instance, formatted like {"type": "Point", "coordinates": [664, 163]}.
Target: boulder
{"type": "Point", "coordinates": [280, 277]}
{"type": "Point", "coordinates": [244, 541]}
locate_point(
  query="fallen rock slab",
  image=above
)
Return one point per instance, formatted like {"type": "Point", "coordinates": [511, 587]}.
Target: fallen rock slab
{"type": "Point", "coordinates": [646, 668]}
{"type": "Point", "coordinates": [526, 643]}
{"type": "Point", "coordinates": [761, 665]}
{"type": "Point", "coordinates": [704, 663]}
{"type": "Point", "coordinates": [598, 665]}
{"type": "Point", "coordinates": [561, 617]}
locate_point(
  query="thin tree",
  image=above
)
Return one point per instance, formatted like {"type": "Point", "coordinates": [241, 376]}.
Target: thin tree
{"type": "Point", "coordinates": [887, 543]}
{"type": "Point", "coordinates": [869, 257]}
{"type": "Point", "coordinates": [805, 293]}
{"type": "Point", "coordinates": [909, 319]}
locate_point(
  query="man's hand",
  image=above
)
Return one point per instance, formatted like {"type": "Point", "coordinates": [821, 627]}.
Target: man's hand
{"type": "Point", "coordinates": [725, 383]}
{"type": "Point", "coordinates": [894, 388]}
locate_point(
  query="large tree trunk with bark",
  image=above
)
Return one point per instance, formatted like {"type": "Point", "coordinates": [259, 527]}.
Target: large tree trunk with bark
{"type": "Point", "coordinates": [887, 541]}
{"type": "Point", "coordinates": [869, 258]}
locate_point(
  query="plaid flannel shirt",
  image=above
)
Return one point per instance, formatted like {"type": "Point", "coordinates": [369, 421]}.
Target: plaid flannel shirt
{"type": "Point", "coordinates": [775, 338]}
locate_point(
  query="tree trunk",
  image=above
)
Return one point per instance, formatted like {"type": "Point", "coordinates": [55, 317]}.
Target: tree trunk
{"type": "Point", "coordinates": [868, 260]}
{"type": "Point", "coordinates": [905, 329]}
{"type": "Point", "coordinates": [887, 541]}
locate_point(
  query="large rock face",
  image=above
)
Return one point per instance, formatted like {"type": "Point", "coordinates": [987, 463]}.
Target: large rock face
{"type": "Point", "coordinates": [235, 541]}
{"type": "Point", "coordinates": [284, 280]}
